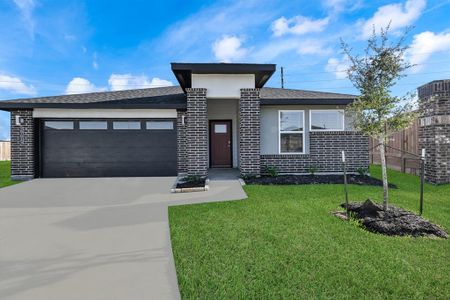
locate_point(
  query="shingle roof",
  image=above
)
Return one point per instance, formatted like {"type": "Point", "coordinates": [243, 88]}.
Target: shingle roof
{"type": "Point", "coordinates": [168, 97]}
{"type": "Point", "coordinates": [277, 93]}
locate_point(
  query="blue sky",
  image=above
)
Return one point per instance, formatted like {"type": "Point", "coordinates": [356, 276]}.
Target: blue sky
{"type": "Point", "coordinates": [65, 46]}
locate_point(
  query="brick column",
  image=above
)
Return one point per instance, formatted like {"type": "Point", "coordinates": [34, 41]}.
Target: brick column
{"type": "Point", "coordinates": [249, 132]}
{"type": "Point", "coordinates": [196, 132]}
{"type": "Point", "coordinates": [22, 146]}
{"type": "Point", "coordinates": [434, 130]}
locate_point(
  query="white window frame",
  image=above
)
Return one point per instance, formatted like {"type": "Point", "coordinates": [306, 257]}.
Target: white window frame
{"type": "Point", "coordinates": [280, 132]}
{"type": "Point", "coordinates": [327, 110]}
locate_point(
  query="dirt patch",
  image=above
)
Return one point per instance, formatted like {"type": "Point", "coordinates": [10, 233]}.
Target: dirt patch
{"type": "Point", "coordinates": [316, 179]}
{"type": "Point", "coordinates": [393, 221]}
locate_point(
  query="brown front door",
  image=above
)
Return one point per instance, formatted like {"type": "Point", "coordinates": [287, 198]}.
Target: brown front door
{"type": "Point", "coordinates": [220, 144]}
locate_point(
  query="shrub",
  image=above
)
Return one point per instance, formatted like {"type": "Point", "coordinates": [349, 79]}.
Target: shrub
{"type": "Point", "coordinates": [192, 178]}
{"type": "Point", "coordinates": [248, 176]}
{"type": "Point", "coordinates": [363, 171]}
{"type": "Point", "coordinates": [312, 170]}
{"type": "Point", "coordinates": [271, 171]}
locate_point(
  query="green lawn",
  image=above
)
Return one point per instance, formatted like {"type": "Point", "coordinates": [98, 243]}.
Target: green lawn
{"type": "Point", "coordinates": [5, 174]}
{"type": "Point", "coordinates": [283, 243]}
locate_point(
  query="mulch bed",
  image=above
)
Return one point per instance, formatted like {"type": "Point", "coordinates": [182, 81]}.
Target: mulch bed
{"type": "Point", "coordinates": [191, 183]}
{"type": "Point", "coordinates": [316, 179]}
{"type": "Point", "coordinates": [393, 221]}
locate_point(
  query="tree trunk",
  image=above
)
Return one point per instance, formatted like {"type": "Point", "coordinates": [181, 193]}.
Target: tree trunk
{"type": "Point", "coordinates": [384, 173]}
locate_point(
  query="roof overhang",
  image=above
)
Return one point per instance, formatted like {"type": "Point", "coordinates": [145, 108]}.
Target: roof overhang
{"type": "Point", "coordinates": [183, 71]}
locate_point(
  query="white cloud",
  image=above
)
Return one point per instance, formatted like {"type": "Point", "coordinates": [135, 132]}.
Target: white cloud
{"type": "Point", "coordinates": [183, 38]}
{"type": "Point", "coordinates": [228, 49]}
{"type": "Point", "coordinates": [338, 67]}
{"type": "Point", "coordinates": [312, 46]}
{"type": "Point", "coordinates": [399, 14]}
{"type": "Point", "coordinates": [94, 61]}
{"type": "Point", "coordinates": [26, 9]}
{"type": "Point", "coordinates": [298, 25]}
{"type": "Point", "coordinates": [268, 52]}
{"type": "Point", "coordinates": [119, 82]}
{"type": "Point", "coordinates": [425, 44]}
{"type": "Point", "coordinates": [337, 6]}
{"type": "Point", "coordinates": [79, 85]}
{"type": "Point", "coordinates": [16, 85]}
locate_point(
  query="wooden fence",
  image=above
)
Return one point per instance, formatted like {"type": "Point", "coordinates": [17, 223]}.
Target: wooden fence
{"type": "Point", "coordinates": [400, 142]}
{"type": "Point", "coordinates": [5, 150]}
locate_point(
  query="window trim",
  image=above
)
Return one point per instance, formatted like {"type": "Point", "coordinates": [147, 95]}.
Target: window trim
{"type": "Point", "coordinates": [326, 130]}
{"type": "Point", "coordinates": [280, 132]}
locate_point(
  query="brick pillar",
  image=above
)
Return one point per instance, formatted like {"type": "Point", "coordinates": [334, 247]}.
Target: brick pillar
{"type": "Point", "coordinates": [181, 142]}
{"type": "Point", "coordinates": [197, 132]}
{"type": "Point", "coordinates": [434, 130]}
{"type": "Point", "coordinates": [22, 145]}
{"type": "Point", "coordinates": [249, 132]}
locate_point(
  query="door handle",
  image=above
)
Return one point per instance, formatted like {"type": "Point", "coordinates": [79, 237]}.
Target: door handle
{"type": "Point", "coordinates": [229, 144]}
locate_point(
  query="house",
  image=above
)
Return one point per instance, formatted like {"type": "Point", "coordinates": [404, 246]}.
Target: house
{"type": "Point", "coordinates": [221, 116]}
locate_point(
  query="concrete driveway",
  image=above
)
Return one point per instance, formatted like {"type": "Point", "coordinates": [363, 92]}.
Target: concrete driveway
{"type": "Point", "coordinates": [103, 238]}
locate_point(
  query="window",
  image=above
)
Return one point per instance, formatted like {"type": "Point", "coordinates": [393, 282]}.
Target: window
{"type": "Point", "coordinates": [160, 125]}
{"type": "Point", "coordinates": [220, 128]}
{"type": "Point", "coordinates": [59, 125]}
{"type": "Point", "coordinates": [93, 125]}
{"type": "Point", "coordinates": [291, 131]}
{"type": "Point", "coordinates": [127, 125]}
{"type": "Point", "coordinates": [327, 120]}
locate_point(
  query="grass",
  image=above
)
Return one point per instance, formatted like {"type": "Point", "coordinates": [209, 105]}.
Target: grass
{"type": "Point", "coordinates": [283, 243]}
{"type": "Point", "coordinates": [5, 174]}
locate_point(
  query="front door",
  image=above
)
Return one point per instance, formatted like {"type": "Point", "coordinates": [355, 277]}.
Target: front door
{"type": "Point", "coordinates": [220, 144]}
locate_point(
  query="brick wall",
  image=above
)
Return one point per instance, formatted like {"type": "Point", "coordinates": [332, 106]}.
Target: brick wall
{"type": "Point", "coordinates": [196, 132]}
{"type": "Point", "coordinates": [22, 146]}
{"type": "Point", "coordinates": [181, 142]}
{"type": "Point", "coordinates": [249, 132]}
{"type": "Point", "coordinates": [325, 154]}
{"type": "Point", "coordinates": [434, 130]}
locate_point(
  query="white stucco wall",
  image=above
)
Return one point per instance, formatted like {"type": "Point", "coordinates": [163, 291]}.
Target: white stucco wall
{"type": "Point", "coordinates": [104, 113]}
{"type": "Point", "coordinates": [226, 109]}
{"type": "Point", "coordinates": [223, 85]}
{"type": "Point", "coordinates": [269, 124]}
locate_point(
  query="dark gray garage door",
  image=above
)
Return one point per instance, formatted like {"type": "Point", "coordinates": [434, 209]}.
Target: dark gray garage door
{"type": "Point", "coordinates": [108, 148]}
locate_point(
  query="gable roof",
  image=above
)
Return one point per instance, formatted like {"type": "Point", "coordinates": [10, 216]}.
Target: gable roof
{"type": "Point", "coordinates": [167, 97]}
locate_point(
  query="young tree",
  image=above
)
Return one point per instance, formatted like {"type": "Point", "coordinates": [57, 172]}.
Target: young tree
{"type": "Point", "coordinates": [377, 113]}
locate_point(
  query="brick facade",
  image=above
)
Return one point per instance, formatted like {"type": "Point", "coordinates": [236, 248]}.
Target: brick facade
{"type": "Point", "coordinates": [196, 132]}
{"type": "Point", "coordinates": [434, 130]}
{"type": "Point", "coordinates": [325, 154]}
{"type": "Point", "coordinates": [181, 142]}
{"type": "Point", "coordinates": [249, 132]}
{"type": "Point", "coordinates": [22, 146]}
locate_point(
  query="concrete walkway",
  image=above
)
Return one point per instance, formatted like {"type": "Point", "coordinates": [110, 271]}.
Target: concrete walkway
{"type": "Point", "coordinates": [103, 238]}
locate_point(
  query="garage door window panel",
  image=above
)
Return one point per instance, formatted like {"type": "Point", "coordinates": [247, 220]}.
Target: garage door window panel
{"type": "Point", "coordinates": [159, 125]}
{"type": "Point", "coordinates": [126, 125]}
{"type": "Point", "coordinates": [59, 125]}
{"type": "Point", "coordinates": [93, 125]}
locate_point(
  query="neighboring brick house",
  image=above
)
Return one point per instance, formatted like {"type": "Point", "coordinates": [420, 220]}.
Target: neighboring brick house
{"type": "Point", "coordinates": [434, 130]}
{"type": "Point", "coordinates": [221, 116]}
